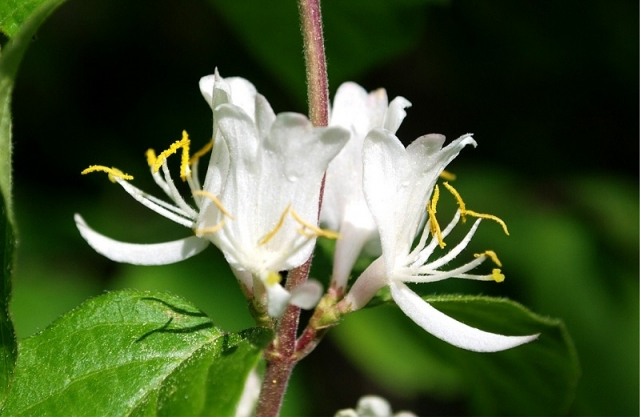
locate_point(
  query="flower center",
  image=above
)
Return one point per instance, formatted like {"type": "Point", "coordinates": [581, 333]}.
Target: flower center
{"type": "Point", "coordinates": [307, 230]}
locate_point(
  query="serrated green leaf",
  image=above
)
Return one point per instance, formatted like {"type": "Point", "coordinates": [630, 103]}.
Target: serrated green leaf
{"type": "Point", "coordinates": [538, 378]}
{"type": "Point", "coordinates": [133, 353]}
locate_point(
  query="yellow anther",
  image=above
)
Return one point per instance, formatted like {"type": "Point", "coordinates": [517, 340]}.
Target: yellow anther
{"type": "Point", "coordinates": [184, 143]}
{"type": "Point", "coordinates": [490, 254]}
{"type": "Point", "coordinates": [436, 197]}
{"type": "Point", "coordinates": [315, 231]}
{"type": "Point", "coordinates": [497, 275]}
{"type": "Point", "coordinates": [448, 176]}
{"type": "Point", "coordinates": [330, 234]}
{"type": "Point", "coordinates": [464, 212]}
{"type": "Point", "coordinates": [215, 201]}
{"type": "Point", "coordinates": [456, 194]}
{"type": "Point", "coordinates": [433, 222]}
{"type": "Point", "coordinates": [206, 148]}
{"type": "Point", "coordinates": [151, 158]}
{"type": "Point", "coordinates": [273, 278]}
{"type": "Point", "coordinates": [489, 217]}
{"type": "Point", "coordinates": [273, 232]}
{"type": "Point", "coordinates": [209, 230]}
{"type": "Point", "coordinates": [113, 172]}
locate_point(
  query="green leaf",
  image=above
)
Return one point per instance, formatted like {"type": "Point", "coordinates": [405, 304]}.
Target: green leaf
{"type": "Point", "coordinates": [8, 348]}
{"type": "Point", "coordinates": [538, 378]}
{"type": "Point", "coordinates": [19, 21]}
{"type": "Point", "coordinates": [134, 353]}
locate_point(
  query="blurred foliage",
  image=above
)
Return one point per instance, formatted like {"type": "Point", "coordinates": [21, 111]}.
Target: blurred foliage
{"type": "Point", "coordinates": [548, 88]}
{"type": "Point", "coordinates": [533, 377]}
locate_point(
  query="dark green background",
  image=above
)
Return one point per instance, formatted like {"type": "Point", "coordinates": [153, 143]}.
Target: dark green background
{"type": "Point", "coordinates": [549, 89]}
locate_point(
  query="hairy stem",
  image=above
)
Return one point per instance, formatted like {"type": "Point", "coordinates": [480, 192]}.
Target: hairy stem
{"type": "Point", "coordinates": [281, 355]}
{"type": "Point", "coordinates": [315, 61]}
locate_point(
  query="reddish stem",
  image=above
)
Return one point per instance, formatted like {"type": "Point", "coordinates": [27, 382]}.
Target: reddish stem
{"type": "Point", "coordinates": [281, 355]}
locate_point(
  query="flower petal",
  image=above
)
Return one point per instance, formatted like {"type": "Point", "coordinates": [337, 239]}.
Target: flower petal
{"type": "Point", "coordinates": [348, 247]}
{"type": "Point", "coordinates": [139, 254]}
{"type": "Point", "coordinates": [396, 114]}
{"type": "Point", "coordinates": [206, 88]}
{"type": "Point", "coordinates": [383, 181]}
{"type": "Point", "coordinates": [307, 294]}
{"type": "Point", "coordinates": [217, 90]}
{"type": "Point", "coordinates": [446, 328]}
{"type": "Point", "coordinates": [357, 110]}
{"type": "Point", "coordinates": [367, 285]}
{"type": "Point", "coordinates": [398, 183]}
{"type": "Point", "coordinates": [278, 299]}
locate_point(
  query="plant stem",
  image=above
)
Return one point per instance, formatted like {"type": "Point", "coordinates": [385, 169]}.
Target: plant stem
{"type": "Point", "coordinates": [315, 61]}
{"type": "Point", "coordinates": [281, 355]}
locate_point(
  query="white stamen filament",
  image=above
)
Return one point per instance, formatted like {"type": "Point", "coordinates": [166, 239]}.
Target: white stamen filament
{"type": "Point", "coordinates": [148, 201]}
{"type": "Point", "coordinates": [175, 194]}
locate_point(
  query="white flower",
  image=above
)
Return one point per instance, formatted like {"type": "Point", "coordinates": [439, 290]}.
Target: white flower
{"type": "Point", "coordinates": [259, 202]}
{"type": "Point", "coordinates": [344, 207]}
{"type": "Point", "coordinates": [372, 406]}
{"type": "Point", "coordinates": [398, 185]}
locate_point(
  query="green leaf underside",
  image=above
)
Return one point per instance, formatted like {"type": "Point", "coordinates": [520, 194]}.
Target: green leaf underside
{"type": "Point", "coordinates": [133, 353]}
{"type": "Point", "coordinates": [538, 378]}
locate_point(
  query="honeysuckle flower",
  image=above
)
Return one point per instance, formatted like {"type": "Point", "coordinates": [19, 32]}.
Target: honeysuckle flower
{"type": "Point", "coordinates": [398, 186]}
{"type": "Point", "coordinates": [344, 207]}
{"type": "Point", "coordinates": [372, 406]}
{"type": "Point", "coordinates": [259, 202]}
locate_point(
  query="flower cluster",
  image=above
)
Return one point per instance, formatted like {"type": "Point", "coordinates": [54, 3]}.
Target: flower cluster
{"type": "Point", "coordinates": [259, 200]}
{"type": "Point", "coordinates": [259, 204]}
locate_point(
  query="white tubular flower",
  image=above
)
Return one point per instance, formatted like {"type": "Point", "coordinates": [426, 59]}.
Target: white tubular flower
{"type": "Point", "coordinates": [372, 406]}
{"type": "Point", "coordinates": [344, 207]}
{"type": "Point", "coordinates": [259, 202]}
{"type": "Point", "coordinates": [398, 185]}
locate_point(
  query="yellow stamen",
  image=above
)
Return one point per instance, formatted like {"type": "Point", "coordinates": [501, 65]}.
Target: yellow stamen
{"type": "Point", "coordinates": [184, 143]}
{"type": "Point", "coordinates": [489, 217]}
{"type": "Point", "coordinates": [113, 172]}
{"type": "Point", "coordinates": [206, 148]}
{"type": "Point", "coordinates": [434, 226]}
{"type": "Point", "coordinates": [215, 201]}
{"type": "Point", "coordinates": [315, 229]}
{"type": "Point", "coordinates": [458, 197]}
{"type": "Point", "coordinates": [497, 275]}
{"type": "Point", "coordinates": [151, 158]}
{"type": "Point", "coordinates": [435, 199]}
{"type": "Point", "coordinates": [490, 254]}
{"type": "Point", "coordinates": [209, 230]}
{"type": "Point", "coordinates": [273, 278]}
{"type": "Point", "coordinates": [448, 176]}
{"type": "Point", "coordinates": [464, 212]}
{"type": "Point", "coordinates": [273, 232]}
